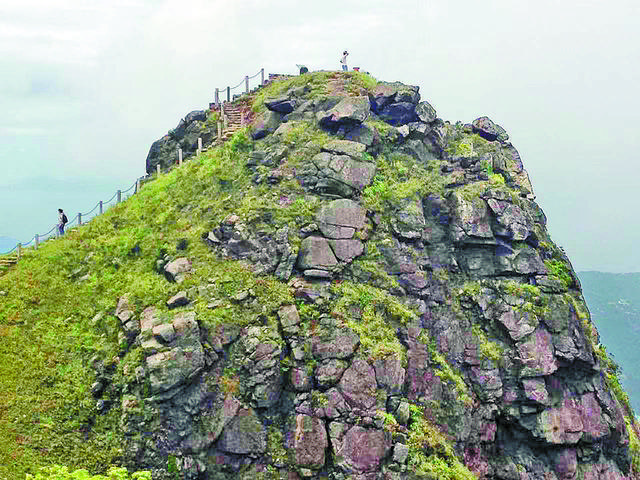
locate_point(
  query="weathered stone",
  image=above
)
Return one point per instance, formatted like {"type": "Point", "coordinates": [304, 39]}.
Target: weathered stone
{"type": "Point", "coordinates": [358, 449]}
{"type": "Point", "coordinates": [301, 381]}
{"type": "Point", "coordinates": [180, 299]}
{"type": "Point", "coordinates": [315, 253]}
{"type": "Point", "coordinates": [535, 390]}
{"type": "Point", "coordinates": [342, 346]}
{"type": "Point", "coordinates": [362, 134]}
{"type": "Point", "coordinates": [328, 372]}
{"type": "Point", "coordinates": [390, 373]}
{"type": "Point", "coordinates": [289, 319]}
{"type": "Point", "coordinates": [386, 93]}
{"type": "Point", "coordinates": [165, 331]}
{"type": "Point", "coordinates": [281, 105]}
{"type": "Point", "coordinates": [347, 250]}
{"type": "Point", "coordinates": [168, 370]}
{"type": "Point", "coordinates": [400, 453]}
{"type": "Point", "coordinates": [124, 312]}
{"type": "Point", "coordinates": [358, 385]}
{"type": "Point", "coordinates": [514, 222]}
{"type": "Point", "coordinates": [471, 221]}
{"type": "Point", "coordinates": [349, 111]}
{"type": "Point", "coordinates": [425, 112]}
{"type": "Point", "coordinates": [341, 218]}
{"type": "Point", "coordinates": [577, 418]}
{"type": "Point", "coordinates": [409, 222]}
{"type": "Point", "coordinates": [309, 442]}
{"type": "Point", "coordinates": [399, 113]}
{"type": "Point", "coordinates": [518, 324]}
{"type": "Point", "coordinates": [536, 354]}
{"type": "Point", "coordinates": [345, 147]}
{"type": "Point", "coordinates": [175, 271]}
{"type": "Point", "coordinates": [338, 175]}
{"type": "Point", "coordinates": [484, 127]}
{"type": "Point", "coordinates": [244, 434]}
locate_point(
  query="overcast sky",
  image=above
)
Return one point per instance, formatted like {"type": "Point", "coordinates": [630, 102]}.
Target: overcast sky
{"type": "Point", "coordinates": [87, 86]}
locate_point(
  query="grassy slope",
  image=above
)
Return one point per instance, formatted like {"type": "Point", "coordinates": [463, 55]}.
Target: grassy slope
{"type": "Point", "coordinates": [47, 333]}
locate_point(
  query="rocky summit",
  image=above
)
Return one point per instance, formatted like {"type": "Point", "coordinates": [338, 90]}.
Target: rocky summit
{"type": "Point", "coordinates": [370, 293]}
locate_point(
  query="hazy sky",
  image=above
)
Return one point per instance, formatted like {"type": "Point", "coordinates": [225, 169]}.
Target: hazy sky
{"type": "Point", "coordinates": [87, 86]}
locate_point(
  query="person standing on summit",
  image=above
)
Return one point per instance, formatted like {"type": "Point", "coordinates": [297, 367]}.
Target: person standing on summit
{"type": "Point", "coordinates": [343, 61]}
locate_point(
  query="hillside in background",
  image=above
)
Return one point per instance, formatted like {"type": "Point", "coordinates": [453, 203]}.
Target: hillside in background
{"type": "Point", "coordinates": [614, 303]}
{"type": "Point", "coordinates": [343, 287]}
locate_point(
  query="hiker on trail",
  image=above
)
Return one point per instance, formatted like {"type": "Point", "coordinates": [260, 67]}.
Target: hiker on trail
{"type": "Point", "coordinates": [62, 221]}
{"type": "Point", "coordinates": [343, 61]}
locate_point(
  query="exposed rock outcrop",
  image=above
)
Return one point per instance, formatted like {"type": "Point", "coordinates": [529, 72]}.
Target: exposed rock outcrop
{"type": "Point", "coordinates": [430, 319]}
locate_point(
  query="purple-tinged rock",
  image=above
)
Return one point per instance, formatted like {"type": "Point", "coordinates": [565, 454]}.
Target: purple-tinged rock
{"type": "Point", "coordinates": [347, 250]}
{"type": "Point", "coordinates": [358, 449]}
{"type": "Point", "coordinates": [358, 385]}
{"type": "Point", "coordinates": [308, 441]}
{"type": "Point", "coordinates": [536, 354]}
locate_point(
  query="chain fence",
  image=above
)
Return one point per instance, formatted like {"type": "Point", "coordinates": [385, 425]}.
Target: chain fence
{"type": "Point", "coordinates": [81, 218]}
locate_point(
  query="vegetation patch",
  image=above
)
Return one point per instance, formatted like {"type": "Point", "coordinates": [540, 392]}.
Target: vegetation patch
{"type": "Point", "coordinates": [430, 452]}
{"type": "Point", "coordinates": [375, 318]}
{"type": "Point", "coordinates": [398, 177]}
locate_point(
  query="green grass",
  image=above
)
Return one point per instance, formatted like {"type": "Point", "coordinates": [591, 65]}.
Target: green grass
{"type": "Point", "coordinates": [431, 453]}
{"type": "Point", "coordinates": [379, 314]}
{"type": "Point", "coordinates": [48, 336]}
{"type": "Point", "coordinates": [399, 177]}
{"type": "Point", "coordinates": [58, 472]}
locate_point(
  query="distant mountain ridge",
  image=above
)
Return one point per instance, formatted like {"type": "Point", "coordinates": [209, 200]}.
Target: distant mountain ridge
{"type": "Point", "coordinates": [614, 303]}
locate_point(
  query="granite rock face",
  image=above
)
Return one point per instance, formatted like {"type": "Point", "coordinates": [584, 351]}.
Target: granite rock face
{"type": "Point", "coordinates": [449, 305]}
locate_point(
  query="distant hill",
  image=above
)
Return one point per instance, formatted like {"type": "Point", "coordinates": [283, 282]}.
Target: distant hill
{"type": "Point", "coordinates": [614, 302]}
{"type": "Point", "coordinates": [7, 243]}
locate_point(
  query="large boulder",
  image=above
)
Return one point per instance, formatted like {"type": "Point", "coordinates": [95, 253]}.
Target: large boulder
{"type": "Point", "coordinates": [350, 111]}
{"type": "Point", "coordinates": [358, 449]}
{"type": "Point", "coordinates": [488, 130]}
{"type": "Point", "coordinates": [399, 113]}
{"type": "Point", "coordinates": [308, 441]}
{"type": "Point", "coordinates": [340, 219]}
{"type": "Point", "coordinates": [335, 175]}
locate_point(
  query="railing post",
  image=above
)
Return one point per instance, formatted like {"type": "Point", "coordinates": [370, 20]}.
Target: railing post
{"type": "Point", "coordinates": [37, 239]}
{"type": "Point", "coordinates": [219, 130]}
{"type": "Point", "coordinates": [246, 83]}
{"type": "Point", "coordinates": [158, 169]}
{"type": "Point", "coordinates": [217, 100]}
{"type": "Point", "coordinates": [19, 251]}
{"type": "Point", "coordinates": [199, 145]}
{"type": "Point", "coordinates": [138, 185]}
{"type": "Point", "coordinates": [262, 76]}
{"type": "Point", "coordinates": [179, 156]}
{"type": "Point", "coordinates": [119, 196]}
{"type": "Point", "coordinates": [228, 94]}
{"type": "Point", "coordinates": [100, 207]}
{"type": "Point", "coordinates": [79, 218]}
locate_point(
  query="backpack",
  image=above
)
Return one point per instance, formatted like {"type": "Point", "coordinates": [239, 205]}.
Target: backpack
{"type": "Point", "coordinates": [64, 219]}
